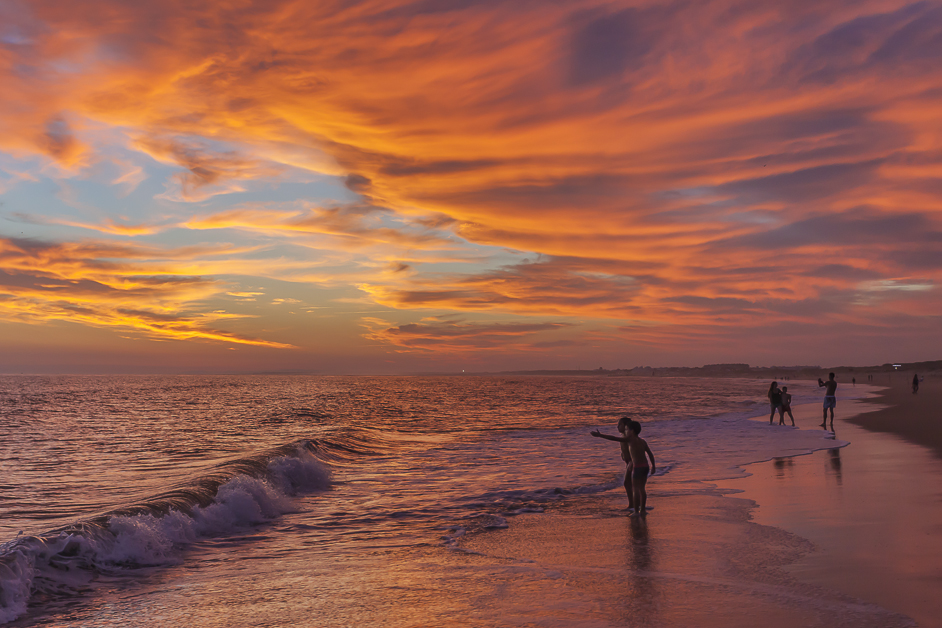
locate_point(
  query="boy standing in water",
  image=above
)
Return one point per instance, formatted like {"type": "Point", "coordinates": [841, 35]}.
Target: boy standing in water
{"type": "Point", "coordinates": [625, 455]}
{"type": "Point", "coordinates": [786, 407]}
{"type": "Point", "coordinates": [635, 451]}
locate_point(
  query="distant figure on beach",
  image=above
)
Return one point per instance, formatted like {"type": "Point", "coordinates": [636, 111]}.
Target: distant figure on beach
{"type": "Point", "coordinates": [830, 398]}
{"type": "Point", "coordinates": [786, 407]}
{"type": "Point", "coordinates": [853, 381]}
{"type": "Point", "coordinates": [915, 383]}
{"type": "Point", "coordinates": [775, 400]}
{"type": "Point", "coordinates": [637, 450]}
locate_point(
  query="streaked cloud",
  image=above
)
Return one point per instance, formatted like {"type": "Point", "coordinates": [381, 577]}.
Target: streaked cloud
{"type": "Point", "coordinates": [41, 282]}
{"type": "Point", "coordinates": [658, 173]}
{"type": "Point", "coordinates": [458, 336]}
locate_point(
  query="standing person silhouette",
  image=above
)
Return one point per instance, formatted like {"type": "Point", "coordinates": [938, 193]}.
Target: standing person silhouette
{"type": "Point", "coordinates": [634, 449]}
{"type": "Point", "coordinates": [915, 383]}
{"type": "Point", "coordinates": [830, 399]}
{"type": "Point", "coordinates": [775, 400]}
{"type": "Point", "coordinates": [786, 407]}
{"type": "Point", "coordinates": [623, 424]}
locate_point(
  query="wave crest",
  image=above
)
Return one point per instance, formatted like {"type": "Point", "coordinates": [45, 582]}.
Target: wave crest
{"type": "Point", "coordinates": [233, 496]}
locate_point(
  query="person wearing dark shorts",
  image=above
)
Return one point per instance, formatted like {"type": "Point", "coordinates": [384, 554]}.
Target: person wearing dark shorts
{"type": "Point", "coordinates": [634, 449]}
{"type": "Point", "coordinates": [786, 407]}
{"type": "Point", "coordinates": [640, 452]}
{"type": "Point", "coordinates": [625, 455]}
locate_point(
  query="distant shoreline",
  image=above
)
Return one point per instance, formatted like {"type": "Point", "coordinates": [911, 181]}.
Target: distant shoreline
{"type": "Point", "coordinates": [722, 370]}
{"type": "Point", "coordinates": [885, 372]}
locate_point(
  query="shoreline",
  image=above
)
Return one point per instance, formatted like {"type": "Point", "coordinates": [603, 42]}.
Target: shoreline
{"type": "Point", "coordinates": [880, 373]}
{"type": "Point", "coordinates": [914, 417]}
{"type": "Point", "coordinates": [873, 527]}
{"type": "Point", "coordinates": [839, 536]}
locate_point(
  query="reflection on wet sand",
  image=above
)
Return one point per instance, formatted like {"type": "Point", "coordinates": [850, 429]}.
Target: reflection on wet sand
{"type": "Point", "coordinates": [642, 592]}
{"type": "Point", "coordinates": [782, 467]}
{"type": "Point", "coordinates": [872, 509]}
{"type": "Point", "coordinates": [834, 457]}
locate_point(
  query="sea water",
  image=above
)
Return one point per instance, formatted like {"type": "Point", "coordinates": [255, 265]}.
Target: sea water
{"type": "Point", "coordinates": [303, 500]}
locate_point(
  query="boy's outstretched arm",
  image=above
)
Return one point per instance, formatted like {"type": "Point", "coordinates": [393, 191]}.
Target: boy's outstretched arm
{"type": "Point", "coordinates": [599, 434]}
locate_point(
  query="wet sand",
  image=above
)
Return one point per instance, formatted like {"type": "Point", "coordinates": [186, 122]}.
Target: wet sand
{"type": "Point", "coordinates": [697, 560]}
{"type": "Point", "coordinates": [917, 418]}
{"type": "Point", "coordinates": [843, 537]}
{"type": "Point", "coordinates": [873, 509]}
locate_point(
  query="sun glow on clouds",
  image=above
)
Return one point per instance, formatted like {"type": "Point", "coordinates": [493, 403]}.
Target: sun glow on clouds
{"type": "Point", "coordinates": [651, 175]}
{"type": "Point", "coordinates": [42, 282]}
{"type": "Point", "coordinates": [457, 336]}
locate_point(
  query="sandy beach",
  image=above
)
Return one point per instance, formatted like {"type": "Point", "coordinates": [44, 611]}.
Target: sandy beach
{"type": "Point", "coordinates": [871, 509]}
{"type": "Point", "coordinates": [915, 417]}
{"type": "Point", "coordinates": [840, 537]}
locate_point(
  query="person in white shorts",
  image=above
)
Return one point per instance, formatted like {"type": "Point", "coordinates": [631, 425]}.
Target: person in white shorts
{"type": "Point", "coordinates": [830, 399]}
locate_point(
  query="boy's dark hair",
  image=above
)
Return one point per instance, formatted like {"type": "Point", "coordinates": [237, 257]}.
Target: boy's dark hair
{"type": "Point", "coordinates": [831, 375]}
{"type": "Point", "coordinates": [784, 388]}
{"type": "Point", "coordinates": [635, 427]}
{"type": "Point", "coordinates": [624, 421]}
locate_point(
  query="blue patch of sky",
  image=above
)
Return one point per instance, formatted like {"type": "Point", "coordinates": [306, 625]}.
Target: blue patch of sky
{"type": "Point", "coordinates": [16, 20]}
{"type": "Point", "coordinates": [14, 38]}
{"type": "Point", "coordinates": [622, 279]}
{"type": "Point", "coordinates": [29, 208]}
{"type": "Point", "coordinates": [320, 189]}
{"type": "Point", "coordinates": [475, 258]}
{"type": "Point", "coordinates": [27, 204]}
{"type": "Point", "coordinates": [96, 198]}
{"type": "Point", "coordinates": [757, 217]}
{"type": "Point", "coordinates": [694, 192]}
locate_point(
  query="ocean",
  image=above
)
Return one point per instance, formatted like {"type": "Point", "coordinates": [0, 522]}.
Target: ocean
{"type": "Point", "coordinates": [332, 501]}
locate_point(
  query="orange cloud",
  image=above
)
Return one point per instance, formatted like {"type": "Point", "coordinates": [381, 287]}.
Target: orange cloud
{"type": "Point", "coordinates": [721, 164]}
{"type": "Point", "coordinates": [41, 282]}
{"type": "Point", "coordinates": [455, 336]}
{"type": "Point", "coordinates": [351, 227]}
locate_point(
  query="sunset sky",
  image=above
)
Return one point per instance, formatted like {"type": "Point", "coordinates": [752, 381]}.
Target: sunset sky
{"type": "Point", "coordinates": [384, 186]}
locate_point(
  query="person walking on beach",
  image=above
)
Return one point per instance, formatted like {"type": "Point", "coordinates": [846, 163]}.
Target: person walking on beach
{"type": "Point", "coordinates": [786, 407]}
{"type": "Point", "coordinates": [775, 399]}
{"type": "Point", "coordinates": [830, 398]}
{"type": "Point", "coordinates": [638, 453]}
{"type": "Point", "coordinates": [915, 383]}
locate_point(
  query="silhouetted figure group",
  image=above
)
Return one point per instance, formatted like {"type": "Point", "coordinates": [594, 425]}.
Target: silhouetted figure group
{"type": "Point", "coordinates": [635, 452]}
{"type": "Point", "coordinates": [780, 400]}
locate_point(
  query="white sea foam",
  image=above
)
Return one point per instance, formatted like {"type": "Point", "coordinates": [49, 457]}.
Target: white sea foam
{"type": "Point", "coordinates": [143, 539]}
{"type": "Point", "coordinates": [65, 561]}
{"type": "Point", "coordinates": [16, 574]}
